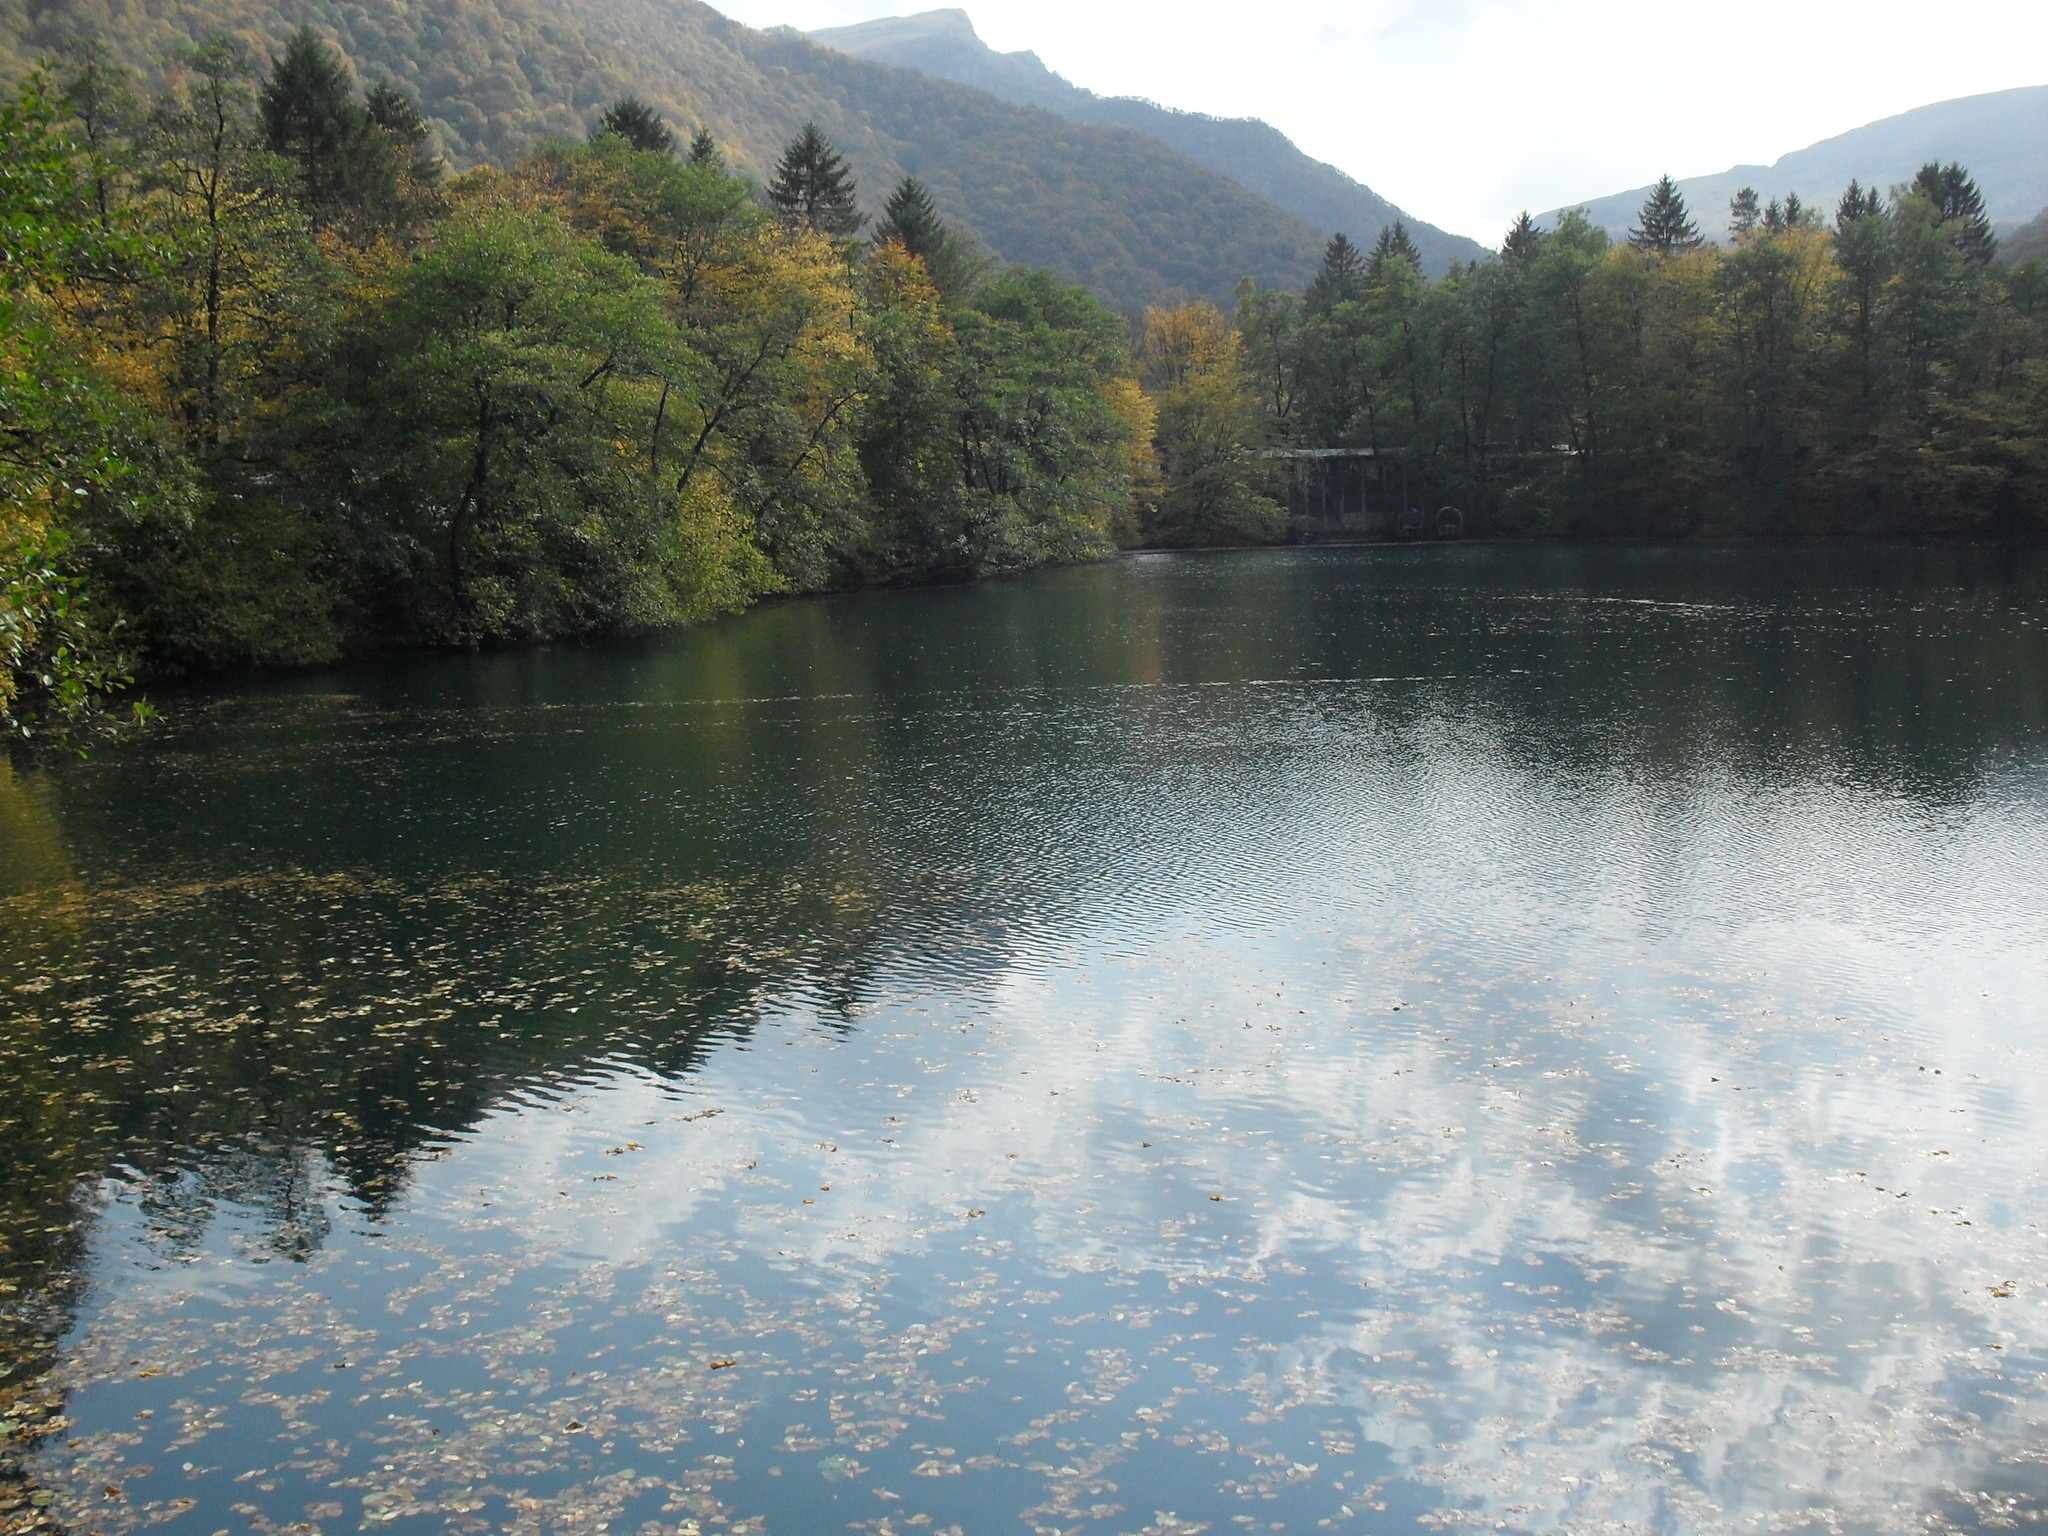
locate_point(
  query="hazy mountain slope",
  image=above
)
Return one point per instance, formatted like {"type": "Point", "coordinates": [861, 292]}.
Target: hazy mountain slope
{"type": "Point", "coordinates": [1255, 154]}
{"type": "Point", "coordinates": [1104, 206]}
{"type": "Point", "coordinates": [2002, 137]}
{"type": "Point", "coordinates": [2029, 240]}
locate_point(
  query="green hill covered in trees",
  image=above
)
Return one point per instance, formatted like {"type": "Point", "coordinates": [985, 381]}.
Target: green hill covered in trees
{"type": "Point", "coordinates": [1254, 154]}
{"type": "Point", "coordinates": [1105, 206]}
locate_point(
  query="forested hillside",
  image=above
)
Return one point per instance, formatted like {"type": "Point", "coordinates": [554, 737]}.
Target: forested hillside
{"type": "Point", "coordinates": [1871, 369]}
{"type": "Point", "coordinates": [1256, 155]}
{"type": "Point", "coordinates": [1108, 207]}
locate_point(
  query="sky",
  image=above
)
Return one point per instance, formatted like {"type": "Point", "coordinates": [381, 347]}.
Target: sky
{"type": "Point", "coordinates": [1465, 111]}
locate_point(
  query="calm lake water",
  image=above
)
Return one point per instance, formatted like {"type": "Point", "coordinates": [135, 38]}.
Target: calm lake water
{"type": "Point", "coordinates": [1463, 1039]}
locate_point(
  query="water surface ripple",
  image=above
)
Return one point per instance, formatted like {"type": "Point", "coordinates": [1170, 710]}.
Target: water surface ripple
{"type": "Point", "coordinates": [1465, 1039]}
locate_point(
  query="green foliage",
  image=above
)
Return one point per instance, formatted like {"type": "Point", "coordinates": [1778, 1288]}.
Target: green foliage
{"type": "Point", "coordinates": [310, 116]}
{"type": "Point", "coordinates": [58, 662]}
{"type": "Point", "coordinates": [1881, 375]}
{"type": "Point", "coordinates": [1214, 488]}
{"type": "Point", "coordinates": [251, 423]}
{"type": "Point", "coordinates": [364, 160]}
{"type": "Point", "coordinates": [1523, 240]}
{"type": "Point", "coordinates": [1342, 277]}
{"type": "Point", "coordinates": [1954, 196]}
{"type": "Point", "coordinates": [503, 398]}
{"type": "Point", "coordinates": [813, 187]}
{"type": "Point", "coordinates": [639, 125]}
{"type": "Point", "coordinates": [1393, 245]}
{"type": "Point", "coordinates": [77, 453]}
{"type": "Point", "coordinates": [1664, 227]}
{"type": "Point", "coordinates": [1044, 450]}
{"type": "Point", "coordinates": [911, 219]}
{"type": "Point", "coordinates": [495, 80]}
{"type": "Point", "coordinates": [1745, 212]}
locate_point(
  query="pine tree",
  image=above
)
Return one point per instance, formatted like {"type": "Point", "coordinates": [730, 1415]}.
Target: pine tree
{"type": "Point", "coordinates": [813, 186]}
{"type": "Point", "coordinates": [310, 117]}
{"type": "Point", "coordinates": [1666, 229]}
{"type": "Point", "coordinates": [638, 124]}
{"type": "Point", "coordinates": [1524, 238]}
{"type": "Point", "coordinates": [395, 174]}
{"type": "Point", "coordinates": [910, 218]}
{"type": "Point", "coordinates": [1393, 245]}
{"type": "Point", "coordinates": [1857, 204]}
{"type": "Point", "coordinates": [1743, 212]}
{"type": "Point", "coordinates": [1961, 205]}
{"type": "Point", "coordinates": [704, 151]}
{"type": "Point", "coordinates": [1342, 278]}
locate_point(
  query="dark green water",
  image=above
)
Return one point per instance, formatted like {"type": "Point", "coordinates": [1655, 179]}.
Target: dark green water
{"type": "Point", "coordinates": [1376, 1040]}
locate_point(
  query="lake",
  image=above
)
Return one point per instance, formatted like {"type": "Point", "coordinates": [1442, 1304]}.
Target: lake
{"type": "Point", "coordinates": [1368, 1040]}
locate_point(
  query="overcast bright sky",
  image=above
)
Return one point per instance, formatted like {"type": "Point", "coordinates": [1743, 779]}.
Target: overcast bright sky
{"type": "Point", "coordinates": [1464, 111]}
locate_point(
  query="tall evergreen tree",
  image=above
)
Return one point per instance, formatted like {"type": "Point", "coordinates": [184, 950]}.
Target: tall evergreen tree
{"type": "Point", "coordinates": [1790, 214]}
{"type": "Point", "coordinates": [813, 186]}
{"type": "Point", "coordinates": [1961, 206]}
{"type": "Point", "coordinates": [911, 218]}
{"type": "Point", "coordinates": [1856, 204]}
{"type": "Point", "coordinates": [1666, 229]}
{"type": "Point", "coordinates": [1524, 238]}
{"type": "Point", "coordinates": [1394, 244]}
{"type": "Point", "coordinates": [395, 176]}
{"type": "Point", "coordinates": [1743, 212]}
{"type": "Point", "coordinates": [638, 124]}
{"type": "Point", "coordinates": [310, 116]}
{"type": "Point", "coordinates": [1342, 278]}
{"type": "Point", "coordinates": [704, 151]}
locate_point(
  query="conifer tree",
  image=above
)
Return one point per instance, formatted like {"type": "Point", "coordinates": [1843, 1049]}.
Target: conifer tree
{"type": "Point", "coordinates": [1857, 204]}
{"type": "Point", "coordinates": [910, 218]}
{"type": "Point", "coordinates": [1524, 238]}
{"type": "Point", "coordinates": [637, 123]}
{"type": "Point", "coordinates": [813, 186]}
{"type": "Point", "coordinates": [1743, 212]}
{"type": "Point", "coordinates": [395, 175]}
{"type": "Point", "coordinates": [309, 115]}
{"type": "Point", "coordinates": [1342, 278]}
{"type": "Point", "coordinates": [704, 151]}
{"type": "Point", "coordinates": [1393, 245]}
{"type": "Point", "coordinates": [1665, 229]}
{"type": "Point", "coordinates": [1961, 206]}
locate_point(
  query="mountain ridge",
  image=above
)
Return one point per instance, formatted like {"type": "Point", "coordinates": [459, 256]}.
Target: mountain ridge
{"type": "Point", "coordinates": [2001, 136]}
{"type": "Point", "coordinates": [1253, 153]}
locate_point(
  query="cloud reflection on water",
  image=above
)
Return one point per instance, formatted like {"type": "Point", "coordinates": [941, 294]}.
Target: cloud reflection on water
{"type": "Point", "coordinates": [1612, 1106]}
